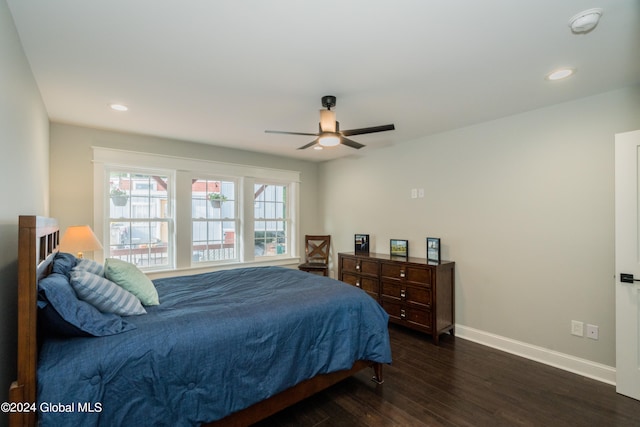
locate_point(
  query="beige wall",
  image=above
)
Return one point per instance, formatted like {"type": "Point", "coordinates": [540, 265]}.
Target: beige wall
{"type": "Point", "coordinates": [524, 205]}
{"type": "Point", "coordinates": [24, 173]}
{"type": "Point", "coordinates": [72, 169]}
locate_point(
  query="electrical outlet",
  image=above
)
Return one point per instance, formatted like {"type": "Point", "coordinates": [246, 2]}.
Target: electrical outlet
{"type": "Point", "coordinates": [592, 331]}
{"type": "Point", "coordinates": [577, 328]}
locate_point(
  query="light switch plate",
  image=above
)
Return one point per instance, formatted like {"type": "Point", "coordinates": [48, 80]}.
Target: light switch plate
{"type": "Point", "coordinates": [577, 328]}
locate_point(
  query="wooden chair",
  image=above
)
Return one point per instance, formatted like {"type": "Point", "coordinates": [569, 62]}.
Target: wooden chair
{"type": "Point", "coordinates": [316, 249]}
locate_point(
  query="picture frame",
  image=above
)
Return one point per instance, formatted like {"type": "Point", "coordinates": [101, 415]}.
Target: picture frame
{"type": "Point", "coordinates": [361, 243]}
{"type": "Point", "coordinates": [433, 249]}
{"type": "Point", "coordinates": [399, 248]}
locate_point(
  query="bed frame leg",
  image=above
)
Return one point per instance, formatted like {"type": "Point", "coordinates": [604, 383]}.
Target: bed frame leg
{"type": "Point", "coordinates": [377, 373]}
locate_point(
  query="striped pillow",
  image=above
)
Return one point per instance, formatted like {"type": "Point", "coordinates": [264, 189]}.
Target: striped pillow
{"type": "Point", "coordinates": [90, 265]}
{"type": "Point", "coordinates": [105, 295]}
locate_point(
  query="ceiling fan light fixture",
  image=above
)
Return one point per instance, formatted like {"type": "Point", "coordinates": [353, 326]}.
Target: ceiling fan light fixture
{"type": "Point", "coordinates": [330, 140]}
{"type": "Point", "coordinates": [329, 134]}
{"type": "Point", "coordinates": [327, 121]}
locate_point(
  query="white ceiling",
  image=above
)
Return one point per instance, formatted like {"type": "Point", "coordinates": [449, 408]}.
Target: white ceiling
{"type": "Point", "coordinates": [222, 71]}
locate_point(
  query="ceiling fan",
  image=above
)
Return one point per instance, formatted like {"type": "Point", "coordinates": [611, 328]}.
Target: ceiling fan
{"type": "Point", "coordinates": [330, 134]}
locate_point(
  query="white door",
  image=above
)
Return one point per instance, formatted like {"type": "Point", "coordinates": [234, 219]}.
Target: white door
{"type": "Point", "coordinates": [628, 264]}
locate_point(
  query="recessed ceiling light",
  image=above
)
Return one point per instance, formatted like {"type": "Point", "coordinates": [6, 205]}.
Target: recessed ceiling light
{"type": "Point", "coordinates": [561, 73]}
{"type": "Point", "coordinates": [118, 107]}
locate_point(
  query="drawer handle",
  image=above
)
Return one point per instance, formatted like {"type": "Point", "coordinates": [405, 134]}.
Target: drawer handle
{"type": "Point", "coordinates": [403, 314]}
{"type": "Point", "coordinates": [357, 284]}
{"type": "Point", "coordinates": [401, 273]}
{"type": "Point", "coordinates": [403, 293]}
{"type": "Point", "coordinates": [357, 266]}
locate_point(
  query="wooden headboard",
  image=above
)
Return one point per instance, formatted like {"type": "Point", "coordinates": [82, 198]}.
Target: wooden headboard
{"type": "Point", "coordinates": [38, 241]}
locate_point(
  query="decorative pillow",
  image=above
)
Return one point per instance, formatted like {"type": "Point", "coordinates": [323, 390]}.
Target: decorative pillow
{"type": "Point", "coordinates": [128, 276]}
{"type": "Point", "coordinates": [91, 266]}
{"type": "Point", "coordinates": [63, 263]}
{"type": "Point", "coordinates": [105, 295]}
{"type": "Point", "coordinates": [63, 313]}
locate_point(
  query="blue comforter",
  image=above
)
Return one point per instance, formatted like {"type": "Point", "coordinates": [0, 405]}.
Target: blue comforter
{"type": "Point", "coordinates": [217, 343]}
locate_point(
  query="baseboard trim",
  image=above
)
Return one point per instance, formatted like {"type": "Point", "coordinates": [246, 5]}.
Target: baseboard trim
{"type": "Point", "coordinates": [586, 368]}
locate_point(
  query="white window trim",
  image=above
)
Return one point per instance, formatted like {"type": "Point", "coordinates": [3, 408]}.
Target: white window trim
{"type": "Point", "coordinates": [183, 170]}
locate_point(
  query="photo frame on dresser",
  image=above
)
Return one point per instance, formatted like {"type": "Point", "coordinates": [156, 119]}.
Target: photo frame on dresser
{"type": "Point", "coordinates": [433, 249]}
{"type": "Point", "coordinates": [399, 248]}
{"type": "Point", "coordinates": [361, 244]}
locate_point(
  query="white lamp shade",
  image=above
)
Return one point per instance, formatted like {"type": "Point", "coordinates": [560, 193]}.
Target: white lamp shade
{"type": "Point", "coordinates": [79, 238]}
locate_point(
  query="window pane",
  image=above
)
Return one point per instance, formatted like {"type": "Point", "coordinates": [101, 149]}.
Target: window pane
{"type": "Point", "coordinates": [270, 228]}
{"type": "Point", "coordinates": [142, 243]}
{"type": "Point", "coordinates": [214, 223]}
{"type": "Point", "coordinates": [140, 222]}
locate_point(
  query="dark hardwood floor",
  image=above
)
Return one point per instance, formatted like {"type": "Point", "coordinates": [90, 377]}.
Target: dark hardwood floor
{"type": "Point", "coordinates": [461, 383]}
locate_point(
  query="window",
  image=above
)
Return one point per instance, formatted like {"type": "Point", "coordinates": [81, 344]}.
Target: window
{"type": "Point", "coordinates": [162, 212]}
{"type": "Point", "coordinates": [270, 219]}
{"type": "Point", "coordinates": [214, 222]}
{"type": "Point", "coordinates": [139, 221]}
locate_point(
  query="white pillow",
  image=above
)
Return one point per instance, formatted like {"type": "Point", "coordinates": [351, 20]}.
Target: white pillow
{"type": "Point", "coordinates": [105, 295]}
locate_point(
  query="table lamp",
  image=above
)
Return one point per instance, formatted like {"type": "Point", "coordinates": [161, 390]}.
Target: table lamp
{"type": "Point", "coordinates": [79, 238]}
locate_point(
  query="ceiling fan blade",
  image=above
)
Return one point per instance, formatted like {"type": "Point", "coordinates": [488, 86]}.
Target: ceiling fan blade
{"type": "Point", "coordinates": [290, 133]}
{"type": "Point", "coordinates": [362, 131]}
{"type": "Point", "coordinates": [350, 143]}
{"type": "Point", "coordinates": [312, 143]}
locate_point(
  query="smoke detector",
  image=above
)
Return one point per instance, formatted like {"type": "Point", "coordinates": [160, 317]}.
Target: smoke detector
{"type": "Point", "coordinates": [585, 21]}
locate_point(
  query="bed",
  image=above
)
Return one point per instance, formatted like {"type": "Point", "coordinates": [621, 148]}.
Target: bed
{"type": "Point", "coordinates": [224, 348]}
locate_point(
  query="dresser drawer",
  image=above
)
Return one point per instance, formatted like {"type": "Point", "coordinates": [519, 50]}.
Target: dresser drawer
{"type": "Point", "coordinates": [357, 265]}
{"type": "Point", "coordinates": [411, 294]}
{"type": "Point", "coordinates": [405, 272]}
{"type": "Point", "coordinates": [367, 284]}
{"type": "Point", "coordinates": [401, 313]}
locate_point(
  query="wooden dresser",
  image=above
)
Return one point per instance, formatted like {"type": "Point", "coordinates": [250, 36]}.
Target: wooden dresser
{"type": "Point", "coordinates": [415, 293]}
